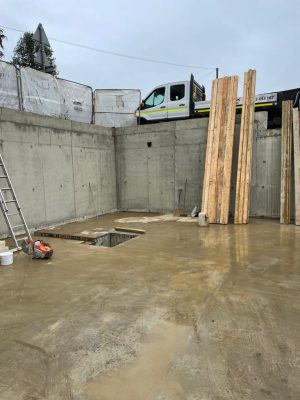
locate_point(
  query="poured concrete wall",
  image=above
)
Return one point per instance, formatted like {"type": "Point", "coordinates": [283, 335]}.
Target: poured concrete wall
{"type": "Point", "coordinates": [265, 191]}
{"type": "Point", "coordinates": [155, 162]}
{"type": "Point", "coordinates": [64, 170]}
{"type": "Point", "coordinates": [61, 170]}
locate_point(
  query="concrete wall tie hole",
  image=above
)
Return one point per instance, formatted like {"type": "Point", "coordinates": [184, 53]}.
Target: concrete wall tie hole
{"type": "Point", "coordinates": [112, 239]}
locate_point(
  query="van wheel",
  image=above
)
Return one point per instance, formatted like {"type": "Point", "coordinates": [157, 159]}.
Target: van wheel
{"type": "Point", "coordinates": [142, 121]}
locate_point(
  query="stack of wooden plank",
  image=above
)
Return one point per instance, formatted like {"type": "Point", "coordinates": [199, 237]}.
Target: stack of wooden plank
{"type": "Point", "coordinates": [218, 161]}
{"type": "Point", "coordinates": [243, 182]}
{"type": "Point", "coordinates": [296, 136]}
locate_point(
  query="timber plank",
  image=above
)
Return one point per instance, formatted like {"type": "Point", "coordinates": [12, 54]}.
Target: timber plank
{"type": "Point", "coordinates": [243, 182]}
{"type": "Point", "coordinates": [218, 160]}
{"type": "Point", "coordinates": [286, 153]}
{"type": "Point", "coordinates": [241, 157]}
{"type": "Point", "coordinates": [209, 144]}
{"type": "Point", "coordinates": [296, 137]}
{"type": "Point", "coordinates": [221, 150]}
{"type": "Point", "coordinates": [212, 195]}
{"type": "Point", "coordinates": [248, 169]}
{"type": "Point", "coordinates": [229, 137]}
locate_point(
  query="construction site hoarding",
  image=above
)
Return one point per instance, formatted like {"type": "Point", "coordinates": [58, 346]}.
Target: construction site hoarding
{"type": "Point", "coordinates": [116, 107]}
{"type": "Point", "coordinates": [76, 101]}
{"type": "Point", "coordinates": [40, 93]}
{"type": "Point", "coordinates": [9, 94]}
{"type": "Point", "coordinates": [44, 94]}
{"type": "Point", "coordinates": [115, 120]}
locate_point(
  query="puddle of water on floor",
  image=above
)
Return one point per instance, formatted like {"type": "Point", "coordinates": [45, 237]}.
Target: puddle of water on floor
{"type": "Point", "coordinates": [150, 376]}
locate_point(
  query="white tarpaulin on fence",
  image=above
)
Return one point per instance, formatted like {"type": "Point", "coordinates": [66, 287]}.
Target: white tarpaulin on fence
{"type": "Point", "coordinates": [40, 93]}
{"type": "Point", "coordinates": [116, 107]}
{"type": "Point", "coordinates": [76, 101]}
{"type": "Point", "coordinates": [8, 86]}
{"type": "Point", "coordinates": [115, 120]}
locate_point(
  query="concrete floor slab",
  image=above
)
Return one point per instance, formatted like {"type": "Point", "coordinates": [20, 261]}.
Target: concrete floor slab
{"type": "Point", "coordinates": [181, 312]}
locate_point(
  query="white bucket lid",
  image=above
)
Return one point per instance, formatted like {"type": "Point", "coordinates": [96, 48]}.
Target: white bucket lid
{"type": "Point", "coordinates": [6, 254]}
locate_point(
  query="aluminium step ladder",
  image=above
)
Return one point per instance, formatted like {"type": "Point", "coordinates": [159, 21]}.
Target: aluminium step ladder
{"type": "Point", "coordinates": [11, 208]}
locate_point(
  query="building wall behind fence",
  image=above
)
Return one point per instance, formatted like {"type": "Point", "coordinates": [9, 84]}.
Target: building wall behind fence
{"type": "Point", "coordinates": [61, 170]}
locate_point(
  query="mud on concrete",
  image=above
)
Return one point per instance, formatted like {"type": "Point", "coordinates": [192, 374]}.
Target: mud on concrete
{"type": "Point", "coordinates": [181, 312]}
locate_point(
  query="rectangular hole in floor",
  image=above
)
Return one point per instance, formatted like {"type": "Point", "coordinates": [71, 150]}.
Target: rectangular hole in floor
{"type": "Point", "coordinates": [111, 239]}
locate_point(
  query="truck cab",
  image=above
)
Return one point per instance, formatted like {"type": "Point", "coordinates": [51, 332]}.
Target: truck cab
{"type": "Point", "coordinates": [170, 101]}
{"type": "Point", "coordinates": [186, 99]}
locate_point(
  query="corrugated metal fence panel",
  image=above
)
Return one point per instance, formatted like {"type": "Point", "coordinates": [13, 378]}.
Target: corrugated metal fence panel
{"type": "Point", "coordinates": [8, 86]}
{"type": "Point", "coordinates": [265, 191]}
{"type": "Point", "coordinates": [40, 93]}
{"type": "Point", "coordinates": [76, 101]}
{"type": "Point", "coordinates": [116, 107]}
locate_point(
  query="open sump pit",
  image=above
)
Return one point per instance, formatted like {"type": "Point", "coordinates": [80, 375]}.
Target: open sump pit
{"type": "Point", "coordinates": [112, 239]}
{"type": "Point", "coordinates": [109, 238]}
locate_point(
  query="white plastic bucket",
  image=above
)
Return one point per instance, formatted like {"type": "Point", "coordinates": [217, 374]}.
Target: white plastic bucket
{"type": "Point", "coordinates": [6, 258]}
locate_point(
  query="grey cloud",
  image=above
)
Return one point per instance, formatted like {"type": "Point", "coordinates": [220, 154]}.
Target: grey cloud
{"type": "Point", "coordinates": [233, 35]}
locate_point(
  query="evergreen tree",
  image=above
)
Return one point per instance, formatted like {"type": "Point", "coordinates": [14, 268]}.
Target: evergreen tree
{"type": "Point", "coordinates": [2, 37]}
{"type": "Point", "coordinates": [24, 54]}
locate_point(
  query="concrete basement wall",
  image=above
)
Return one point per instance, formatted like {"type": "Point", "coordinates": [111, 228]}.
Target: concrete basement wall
{"type": "Point", "coordinates": [61, 170]}
{"type": "Point", "coordinates": [148, 178]}
{"type": "Point", "coordinates": [155, 161]}
{"type": "Point", "coordinates": [65, 170]}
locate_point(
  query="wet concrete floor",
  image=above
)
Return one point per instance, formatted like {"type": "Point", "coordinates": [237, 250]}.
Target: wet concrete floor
{"type": "Point", "coordinates": [181, 312]}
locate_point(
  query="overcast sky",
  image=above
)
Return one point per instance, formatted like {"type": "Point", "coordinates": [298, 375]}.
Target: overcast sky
{"type": "Point", "coordinates": [234, 35]}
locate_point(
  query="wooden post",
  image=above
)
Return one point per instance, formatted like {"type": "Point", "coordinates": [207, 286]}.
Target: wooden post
{"type": "Point", "coordinates": [229, 136]}
{"type": "Point", "coordinates": [296, 136]}
{"type": "Point", "coordinates": [209, 145]}
{"type": "Point", "coordinates": [286, 155]}
{"type": "Point", "coordinates": [248, 172]}
{"type": "Point", "coordinates": [243, 182]}
{"type": "Point", "coordinates": [212, 189]}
